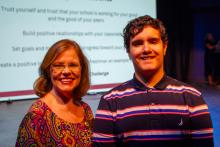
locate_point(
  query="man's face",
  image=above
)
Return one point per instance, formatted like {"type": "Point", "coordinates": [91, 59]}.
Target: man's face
{"type": "Point", "coordinates": [147, 52]}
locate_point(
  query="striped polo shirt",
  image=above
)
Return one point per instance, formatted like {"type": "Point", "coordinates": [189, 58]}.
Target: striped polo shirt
{"type": "Point", "coordinates": [172, 114]}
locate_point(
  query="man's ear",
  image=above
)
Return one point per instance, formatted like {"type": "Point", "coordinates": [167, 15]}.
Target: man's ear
{"type": "Point", "coordinates": [128, 54]}
{"type": "Point", "coordinates": [164, 49]}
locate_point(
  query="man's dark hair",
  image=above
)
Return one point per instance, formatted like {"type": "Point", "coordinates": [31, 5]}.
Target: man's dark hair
{"type": "Point", "coordinates": [136, 25]}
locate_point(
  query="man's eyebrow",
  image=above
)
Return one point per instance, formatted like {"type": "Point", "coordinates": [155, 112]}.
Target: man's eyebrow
{"type": "Point", "coordinates": [154, 38]}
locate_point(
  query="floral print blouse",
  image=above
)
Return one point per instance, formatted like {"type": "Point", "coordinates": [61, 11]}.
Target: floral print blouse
{"type": "Point", "coordinates": [42, 127]}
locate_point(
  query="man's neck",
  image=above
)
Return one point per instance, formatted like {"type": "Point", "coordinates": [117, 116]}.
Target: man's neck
{"type": "Point", "coordinates": [149, 81]}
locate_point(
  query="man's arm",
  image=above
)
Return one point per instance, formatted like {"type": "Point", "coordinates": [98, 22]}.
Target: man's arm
{"type": "Point", "coordinates": [104, 132]}
{"type": "Point", "coordinates": [201, 124]}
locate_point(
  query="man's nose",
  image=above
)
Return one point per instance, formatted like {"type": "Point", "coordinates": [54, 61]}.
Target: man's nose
{"type": "Point", "coordinates": [146, 47]}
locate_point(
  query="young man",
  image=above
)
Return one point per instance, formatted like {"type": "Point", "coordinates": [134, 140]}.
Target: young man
{"type": "Point", "coordinates": [152, 109]}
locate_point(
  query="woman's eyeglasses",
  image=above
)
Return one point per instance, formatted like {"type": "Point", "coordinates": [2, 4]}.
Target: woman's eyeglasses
{"type": "Point", "coordinates": [61, 67]}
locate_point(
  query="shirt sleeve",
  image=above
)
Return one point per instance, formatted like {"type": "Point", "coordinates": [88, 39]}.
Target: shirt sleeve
{"type": "Point", "coordinates": [201, 129]}
{"type": "Point", "coordinates": [89, 117]}
{"type": "Point", "coordinates": [89, 113]}
{"type": "Point", "coordinates": [104, 132]}
{"type": "Point", "coordinates": [31, 128]}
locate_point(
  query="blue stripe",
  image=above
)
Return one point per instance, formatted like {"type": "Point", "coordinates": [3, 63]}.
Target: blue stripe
{"type": "Point", "coordinates": [202, 135]}
{"type": "Point", "coordinates": [104, 116]}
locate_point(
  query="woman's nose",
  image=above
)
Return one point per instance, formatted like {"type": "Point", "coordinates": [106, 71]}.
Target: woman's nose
{"type": "Point", "coordinates": [66, 69]}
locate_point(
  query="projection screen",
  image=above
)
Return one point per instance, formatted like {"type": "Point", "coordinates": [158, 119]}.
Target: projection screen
{"type": "Point", "coordinates": [29, 27]}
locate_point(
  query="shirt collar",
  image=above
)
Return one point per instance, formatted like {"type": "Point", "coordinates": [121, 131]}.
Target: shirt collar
{"type": "Point", "coordinates": [162, 84]}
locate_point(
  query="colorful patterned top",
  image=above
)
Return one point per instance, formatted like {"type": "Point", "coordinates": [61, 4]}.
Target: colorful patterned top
{"type": "Point", "coordinates": [42, 127]}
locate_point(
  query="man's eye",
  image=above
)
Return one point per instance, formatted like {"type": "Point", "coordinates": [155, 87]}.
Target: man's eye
{"type": "Point", "coordinates": [137, 43]}
{"type": "Point", "coordinates": [154, 41]}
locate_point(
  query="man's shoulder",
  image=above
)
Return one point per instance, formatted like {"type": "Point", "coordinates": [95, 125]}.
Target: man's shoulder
{"type": "Point", "coordinates": [176, 82]}
{"type": "Point", "coordinates": [179, 85]}
{"type": "Point", "coordinates": [120, 89]}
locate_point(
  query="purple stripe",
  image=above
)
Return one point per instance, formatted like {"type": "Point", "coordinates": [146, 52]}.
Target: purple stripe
{"type": "Point", "coordinates": [157, 111]}
{"type": "Point", "coordinates": [104, 116]}
{"type": "Point", "coordinates": [113, 96]}
{"type": "Point", "coordinates": [98, 139]}
{"type": "Point", "coordinates": [199, 111]}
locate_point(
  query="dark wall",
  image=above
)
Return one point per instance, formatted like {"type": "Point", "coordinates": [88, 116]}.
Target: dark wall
{"type": "Point", "coordinates": [187, 21]}
{"type": "Point", "coordinates": [178, 20]}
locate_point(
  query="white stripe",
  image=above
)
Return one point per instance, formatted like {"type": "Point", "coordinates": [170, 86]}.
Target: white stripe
{"type": "Point", "coordinates": [117, 92]}
{"type": "Point", "coordinates": [183, 88]}
{"type": "Point", "coordinates": [159, 132]}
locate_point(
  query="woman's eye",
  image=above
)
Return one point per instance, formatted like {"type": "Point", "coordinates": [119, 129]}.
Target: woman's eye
{"type": "Point", "coordinates": [58, 66]}
{"type": "Point", "coordinates": [73, 65]}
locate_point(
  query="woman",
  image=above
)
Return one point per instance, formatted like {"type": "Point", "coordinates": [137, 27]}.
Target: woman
{"type": "Point", "coordinates": [59, 117]}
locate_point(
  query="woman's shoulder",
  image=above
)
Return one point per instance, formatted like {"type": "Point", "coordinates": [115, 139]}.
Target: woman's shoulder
{"type": "Point", "coordinates": [87, 109]}
{"type": "Point", "coordinates": [35, 113]}
{"type": "Point", "coordinates": [38, 107]}
{"type": "Point", "coordinates": [84, 104]}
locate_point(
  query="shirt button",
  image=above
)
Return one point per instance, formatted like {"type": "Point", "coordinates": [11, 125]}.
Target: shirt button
{"type": "Point", "coordinates": [152, 104]}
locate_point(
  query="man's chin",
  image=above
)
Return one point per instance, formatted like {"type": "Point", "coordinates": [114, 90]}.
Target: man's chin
{"type": "Point", "coordinates": [148, 69]}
